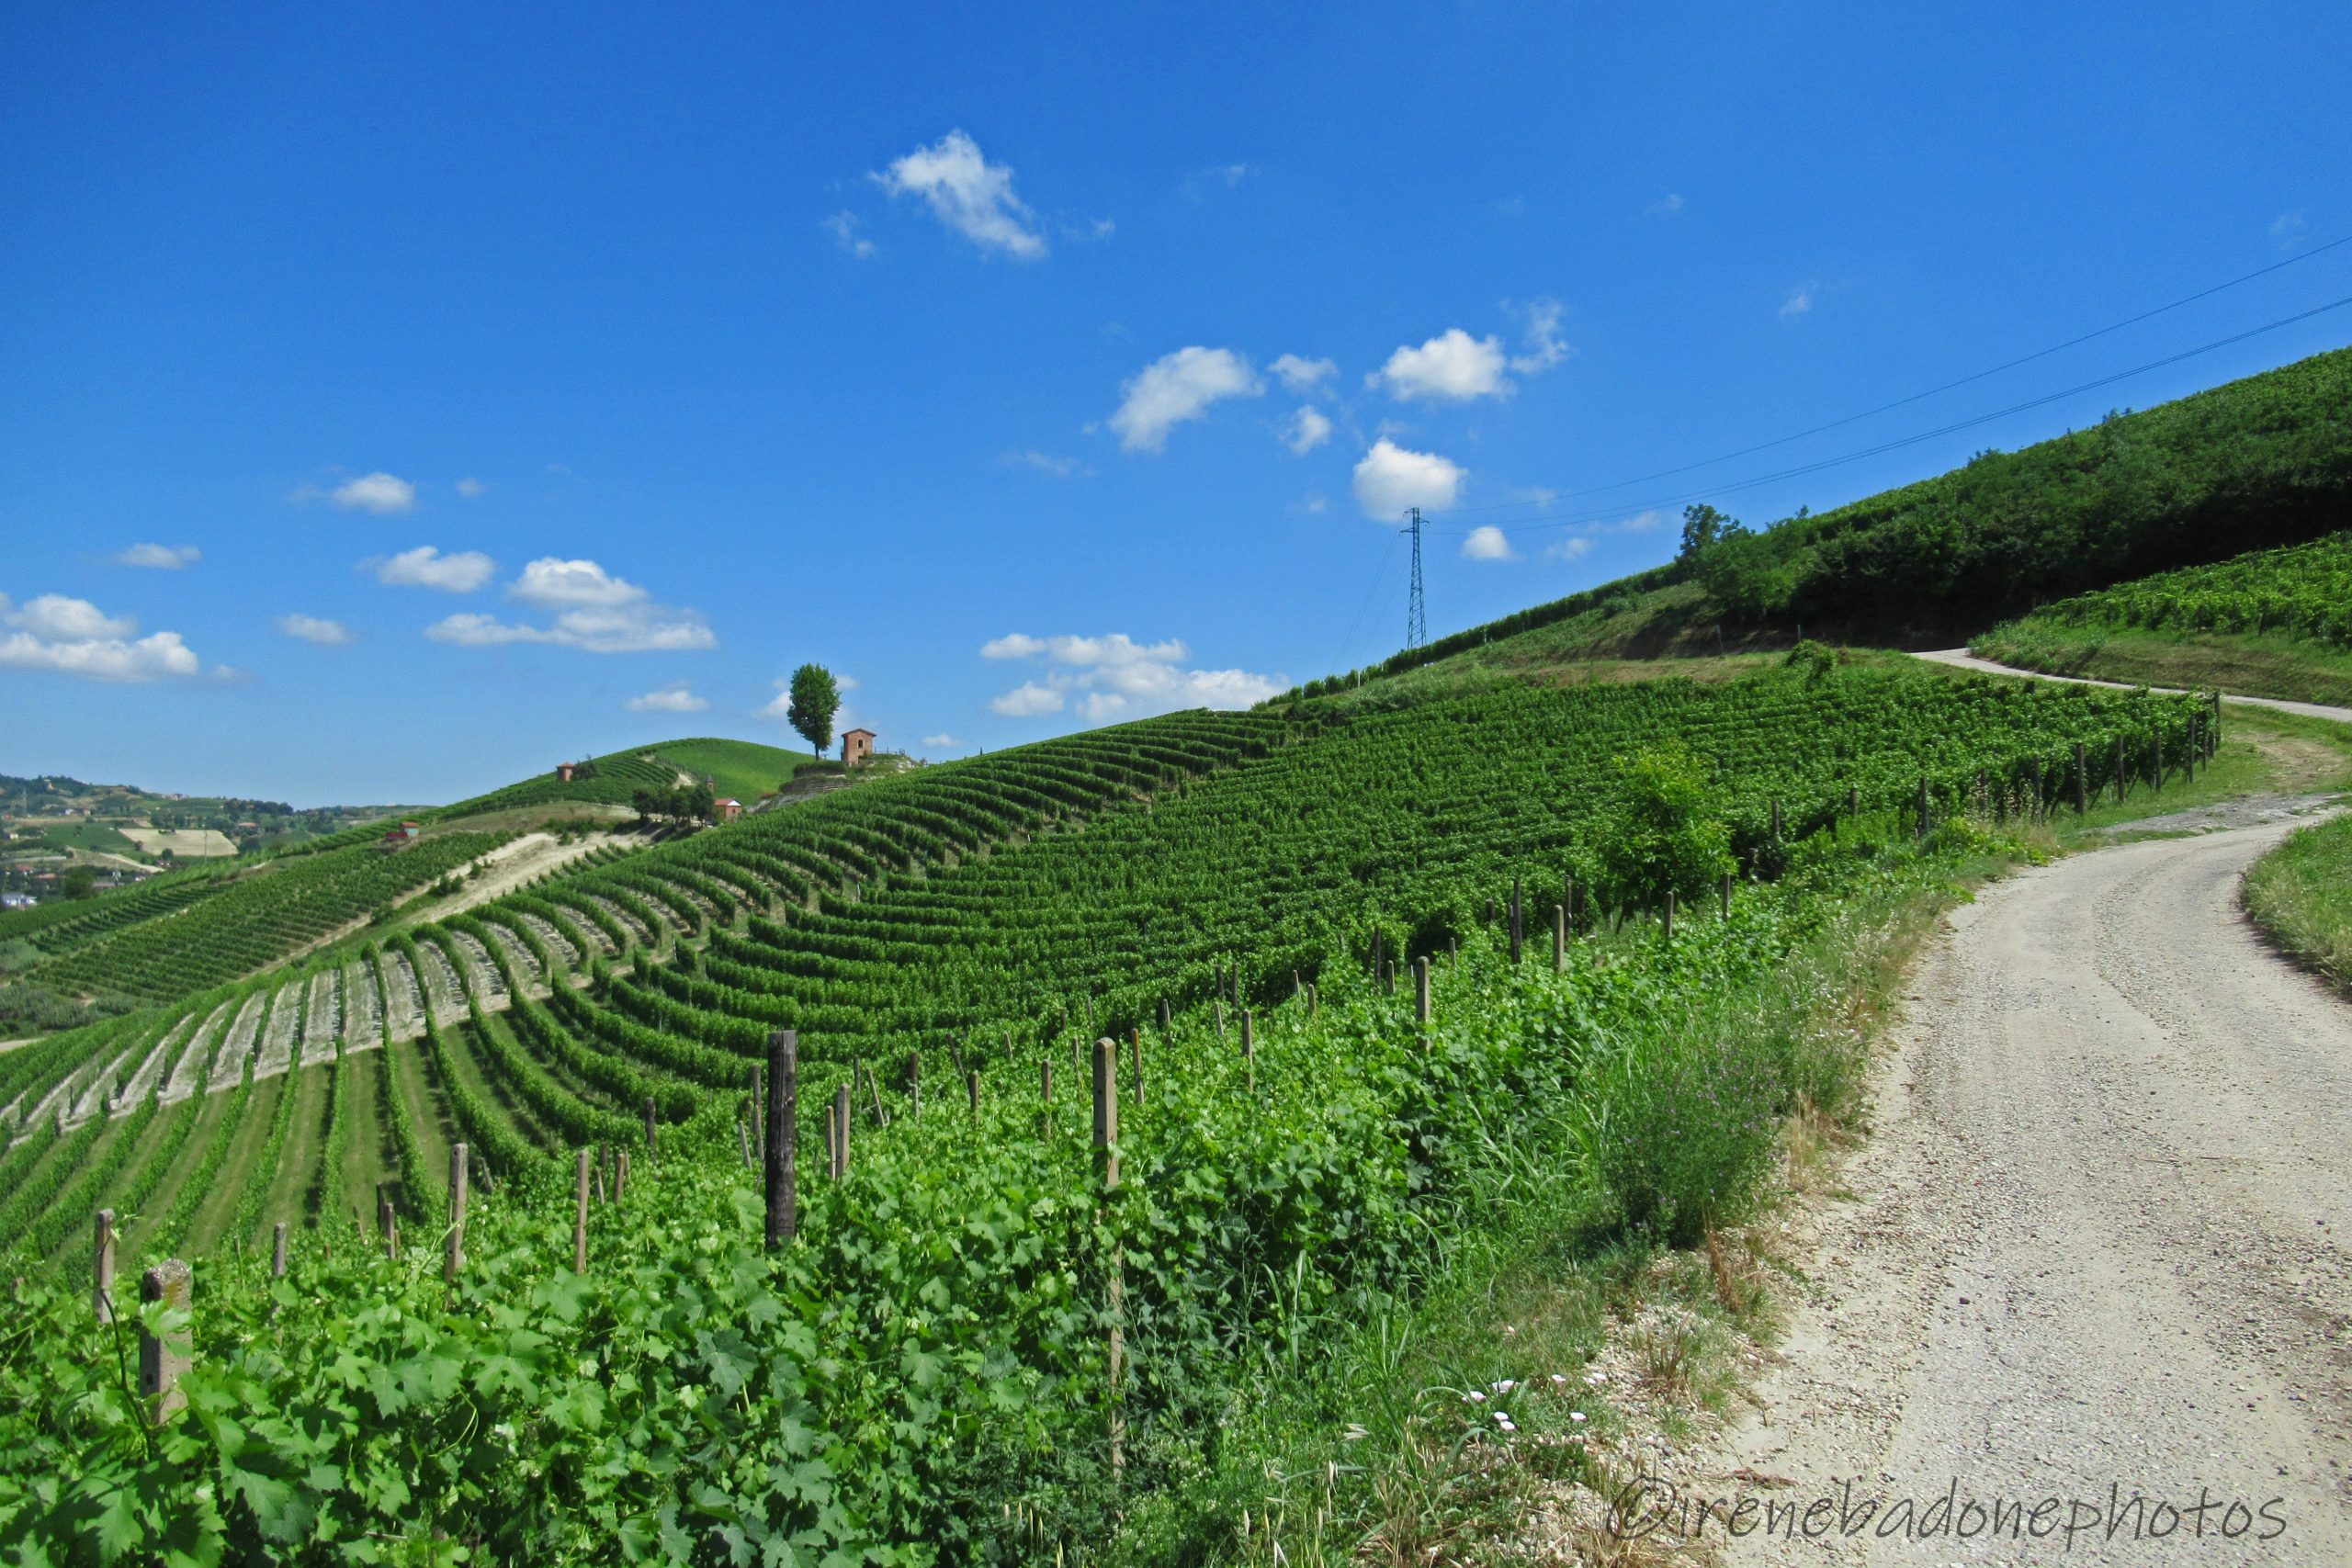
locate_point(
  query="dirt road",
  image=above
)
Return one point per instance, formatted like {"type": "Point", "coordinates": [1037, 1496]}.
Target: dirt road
{"type": "Point", "coordinates": [1961, 658]}
{"type": "Point", "coordinates": [2102, 1237]}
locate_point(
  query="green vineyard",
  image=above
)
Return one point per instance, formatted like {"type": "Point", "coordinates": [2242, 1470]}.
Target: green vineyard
{"type": "Point", "coordinates": [2301, 591]}
{"type": "Point", "coordinates": [973, 1326]}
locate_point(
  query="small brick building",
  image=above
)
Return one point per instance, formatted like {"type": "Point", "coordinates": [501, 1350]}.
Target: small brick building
{"type": "Point", "coordinates": [564, 772]}
{"type": "Point", "coordinates": [857, 745]}
{"type": "Point", "coordinates": [726, 810]}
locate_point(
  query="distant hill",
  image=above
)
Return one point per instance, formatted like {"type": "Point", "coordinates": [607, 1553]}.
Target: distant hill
{"type": "Point", "coordinates": [2258, 462]}
{"type": "Point", "coordinates": [744, 769]}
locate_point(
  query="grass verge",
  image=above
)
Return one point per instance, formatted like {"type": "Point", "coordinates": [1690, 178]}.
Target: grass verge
{"type": "Point", "coordinates": [2301, 896]}
{"type": "Point", "coordinates": [2264, 666]}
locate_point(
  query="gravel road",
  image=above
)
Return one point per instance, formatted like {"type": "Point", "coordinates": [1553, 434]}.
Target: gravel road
{"type": "Point", "coordinates": [2102, 1236]}
{"type": "Point", "coordinates": [1961, 658]}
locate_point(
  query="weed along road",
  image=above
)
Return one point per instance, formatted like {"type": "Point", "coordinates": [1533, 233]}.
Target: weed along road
{"type": "Point", "coordinates": [2101, 1244]}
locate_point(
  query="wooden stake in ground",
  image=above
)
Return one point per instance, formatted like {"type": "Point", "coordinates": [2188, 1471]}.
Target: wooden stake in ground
{"type": "Point", "coordinates": [580, 1215]}
{"type": "Point", "coordinates": [1927, 809]}
{"type": "Point", "coordinates": [1421, 991]}
{"type": "Point", "coordinates": [1106, 1161]}
{"type": "Point", "coordinates": [2122, 783]}
{"type": "Point", "coordinates": [1044, 1097]}
{"type": "Point", "coordinates": [784, 1108]}
{"type": "Point", "coordinates": [102, 1267]}
{"type": "Point", "coordinates": [1727, 895]}
{"type": "Point", "coordinates": [620, 1176]}
{"type": "Point", "coordinates": [1666, 918]}
{"type": "Point", "coordinates": [457, 1177]}
{"type": "Point", "coordinates": [972, 1087]}
{"type": "Point", "coordinates": [914, 1085]}
{"type": "Point", "coordinates": [1249, 1051]}
{"type": "Point", "coordinates": [162, 1359]}
{"type": "Point", "coordinates": [1559, 939]}
{"type": "Point", "coordinates": [2082, 780]}
{"type": "Point", "coordinates": [841, 1132]}
{"type": "Point", "coordinates": [759, 1118]}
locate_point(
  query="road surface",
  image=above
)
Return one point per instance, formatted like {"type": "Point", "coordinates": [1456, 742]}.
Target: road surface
{"type": "Point", "coordinates": [1961, 658]}
{"type": "Point", "coordinates": [2102, 1238]}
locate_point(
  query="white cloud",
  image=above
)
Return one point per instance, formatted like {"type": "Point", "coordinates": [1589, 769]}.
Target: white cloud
{"type": "Point", "coordinates": [1116, 649]}
{"type": "Point", "coordinates": [55, 618]}
{"type": "Point", "coordinates": [1313, 505]}
{"type": "Point", "coordinates": [380, 493]}
{"type": "Point", "coordinates": [72, 636]}
{"type": "Point", "coordinates": [1226, 175]}
{"type": "Point", "coordinates": [1028, 700]}
{"type": "Point", "coordinates": [1178, 387]}
{"type": "Point", "coordinates": [597, 611]}
{"type": "Point", "coordinates": [162, 558]}
{"type": "Point", "coordinates": [1798, 301]}
{"type": "Point", "coordinates": [627, 628]}
{"type": "Point", "coordinates": [1045, 463]}
{"type": "Point", "coordinates": [1116, 677]}
{"type": "Point", "coordinates": [551, 582]}
{"type": "Point", "coordinates": [1303, 375]}
{"type": "Point", "coordinates": [1487, 542]}
{"type": "Point", "coordinates": [1307, 430]}
{"type": "Point", "coordinates": [968, 193]}
{"type": "Point", "coordinates": [1545, 347]}
{"type": "Point", "coordinates": [844, 226]}
{"type": "Point", "coordinates": [1576, 547]}
{"type": "Point", "coordinates": [942, 742]}
{"type": "Point", "coordinates": [1666, 206]}
{"type": "Point", "coordinates": [1642, 522]}
{"type": "Point", "coordinates": [311, 629]}
{"type": "Point", "coordinates": [2289, 227]}
{"type": "Point", "coordinates": [427, 567]}
{"type": "Point", "coordinates": [1391, 478]}
{"type": "Point", "coordinates": [1452, 368]}
{"type": "Point", "coordinates": [472, 489]}
{"type": "Point", "coordinates": [675, 698]}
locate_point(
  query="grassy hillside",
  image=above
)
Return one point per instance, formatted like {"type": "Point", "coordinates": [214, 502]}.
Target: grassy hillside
{"type": "Point", "coordinates": [744, 769]}
{"type": "Point", "coordinates": [2271, 623]}
{"type": "Point", "coordinates": [2259, 462]}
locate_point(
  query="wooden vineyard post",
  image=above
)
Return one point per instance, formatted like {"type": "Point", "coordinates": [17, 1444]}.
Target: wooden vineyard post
{"type": "Point", "coordinates": [1044, 1097]}
{"type": "Point", "coordinates": [781, 1169]}
{"type": "Point", "coordinates": [874, 1090]}
{"type": "Point", "coordinates": [1517, 920]}
{"type": "Point", "coordinates": [162, 1361]}
{"type": "Point", "coordinates": [457, 1178]}
{"type": "Point", "coordinates": [2033, 772]}
{"type": "Point", "coordinates": [580, 1214]}
{"type": "Point", "coordinates": [1666, 918]}
{"type": "Point", "coordinates": [101, 1267]}
{"type": "Point", "coordinates": [1248, 1051]}
{"type": "Point", "coordinates": [758, 1118]}
{"type": "Point", "coordinates": [2082, 780]}
{"type": "Point", "coordinates": [1106, 1161]}
{"type": "Point", "coordinates": [1388, 978]}
{"type": "Point", "coordinates": [620, 1174]}
{"type": "Point", "coordinates": [1559, 939]}
{"type": "Point", "coordinates": [744, 1140]}
{"type": "Point", "coordinates": [972, 1087]}
{"type": "Point", "coordinates": [1220, 1019]}
{"type": "Point", "coordinates": [841, 1132]}
{"type": "Point", "coordinates": [1421, 991]}
{"type": "Point", "coordinates": [1310, 1004]}
{"type": "Point", "coordinates": [2122, 785]}
{"type": "Point", "coordinates": [2188, 755]}
{"type": "Point", "coordinates": [648, 1126]}
{"type": "Point", "coordinates": [1927, 810]}
{"type": "Point", "coordinates": [2156, 763]}
{"type": "Point", "coordinates": [1134, 1052]}
{"type": "Point", "coordinates": [1727, 895]}
{"type": "Point", "coordinates": [1164, 1016]}
{"type": "Point", "coordinates": [1853, 800]}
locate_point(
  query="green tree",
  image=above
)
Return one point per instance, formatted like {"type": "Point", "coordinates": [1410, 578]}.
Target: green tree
{"type": "Point", "coordinates": [1662, 830]}
{"type": "Point", "coordinates": [80, 882]}
{"type": "Point", "coordinates": [816, 697]}
{"type": "Point", "coordinates": [1702, 525]}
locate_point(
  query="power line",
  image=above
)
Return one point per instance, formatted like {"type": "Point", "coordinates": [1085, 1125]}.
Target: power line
{"type": "Point", "coordinates": [1934, 391]}
{"type": "Point", "coordinates": [1816, 467]}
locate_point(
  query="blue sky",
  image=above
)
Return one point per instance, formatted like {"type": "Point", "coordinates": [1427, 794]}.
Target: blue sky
{"type": "Point", "coordinates": [473, 374]}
